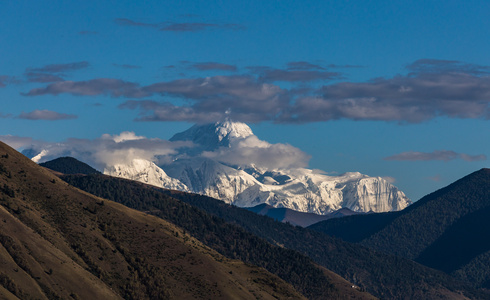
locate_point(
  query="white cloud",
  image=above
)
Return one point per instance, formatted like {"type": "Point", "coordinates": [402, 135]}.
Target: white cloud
{"type": "Point", "coordinates": [253, 151]}
{"type": "Point", "coordinates": [122, 148]}
{"type": "Point", "coordinates": [123, 136]}
{"type": "Point", "coordinates": [106, 150]}
{"type": "Point", "coordinates": [16, 142]}
{"type": "Point", "coordinates": [389, 179]}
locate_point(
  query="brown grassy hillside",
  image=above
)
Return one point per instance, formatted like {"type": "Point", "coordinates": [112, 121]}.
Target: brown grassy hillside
{"type": "Point", "coordinates": [57, 242]}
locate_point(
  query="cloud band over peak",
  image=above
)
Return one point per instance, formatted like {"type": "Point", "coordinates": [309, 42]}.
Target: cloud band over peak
{"type": "Point", "coordinates": [444, 155]}
{"type": "Point", "coordinates": [433, 89]}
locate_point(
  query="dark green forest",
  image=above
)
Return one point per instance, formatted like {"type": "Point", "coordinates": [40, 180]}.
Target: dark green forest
{"type": "Point", "coordinates": [383, 275]}
{"type": "Point", "coordinates": [357, 227]}
{"type": "Point", "coordinates": [228, 239]}
{"type": "Point", "coordinates": [448, 229]}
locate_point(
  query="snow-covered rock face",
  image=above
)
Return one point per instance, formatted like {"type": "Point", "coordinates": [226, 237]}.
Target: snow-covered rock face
{"type": "Point", "coordinates": [307, 191]}
{"type": "Point", "coordinates": [228, 162]}
{"type": "Point", "coordinates": [212, 136]}
{"type": "Point", "coordinates": [147, 172]}
{"type": "Point", "coordinates": [295, 188]}
{"type": "Point", "coordinates": [373, 194]}
{"type": "Point", "coordinates": [213, 179]}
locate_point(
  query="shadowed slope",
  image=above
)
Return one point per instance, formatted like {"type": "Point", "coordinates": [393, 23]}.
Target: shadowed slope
{"type": "Point", "coordinates": [447, 229]}
{"type": "Point", "coordinates": [383, 275]}
{"type": "Point", "coordinates": [69, 165]}
{"type": "Point", "coordinates": [229, 239]}
{"type": "Point", "coordinates": [355, 228]}
{"type": "Point", "coordinates": [424, 222]}
{"type": "Point", "coordinates": [55, 241]}
{"type": "Point", "coordinates": [297, 218]}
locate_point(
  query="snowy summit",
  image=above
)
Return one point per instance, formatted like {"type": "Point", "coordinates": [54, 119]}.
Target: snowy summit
{"type": "Point", "coordinates": [214, 135]}
{"type": "Point", "coordinates": [225, 160]}
{"type": "Point", "coordinates": [247, 185]}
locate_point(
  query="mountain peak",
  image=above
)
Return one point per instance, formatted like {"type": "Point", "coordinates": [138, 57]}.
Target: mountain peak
{"type": "Point", "coordinates": [69, 165]}
{"type": "Point", "coordinates": [229, 129]}
{"type": "Point", "coordinates": [214, 135]}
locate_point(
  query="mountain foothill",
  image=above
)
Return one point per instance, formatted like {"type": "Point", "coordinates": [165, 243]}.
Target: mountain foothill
{"type": "Point", "coordinates": [448, 230]}
{"type": "Point", "coordinates": [65, 225]}
{"type": "Point", "coordinates": [231, 229]}
{"type": "Point", "coordinates": [58, 242]}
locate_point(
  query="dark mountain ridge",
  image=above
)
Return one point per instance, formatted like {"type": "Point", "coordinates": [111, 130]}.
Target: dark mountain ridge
{"type": "Point", "coordinates": [57, 242]}
{"type": "Point", "coordinates": [229, 239]}
{"type": "Point", "coordinates": [408, 236]}
{"type": "Point", "coordinates": [297, 218]}
{"type": "Point", "coordinates": [383, 275]}
{"type": "Point", "coordinates": [69, 165]}
{"type": "Point", "coordinates": [355, 228]}
{"type": "Point", "coordinates": [448, 229]}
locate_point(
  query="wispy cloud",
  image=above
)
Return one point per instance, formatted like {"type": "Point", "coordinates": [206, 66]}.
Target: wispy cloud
{"type": "Point", "coordinates": [42, 77]}
{"type": "Point", "coordinates": [444, 155]}
{"type": "Point", "coordinates": [193, 27]}
{"type": "Point", "coordinates": [334, 66]}
{"type": "Point", "coordinates": [167, 112]}
{"type": "Point", "coordinates": [45, 114]}
{"type": "Point", "coordinates": [304, 65]}
{"type": "Point", "coordinates": [273, 75]}
{"type": "Point", "coordinates": [5, 79]}
{"type": "Point", "coordinates": [180, 27]}
{"type": "Point", "coordinates": [94, 87]}
{"type": "Point", "coordinates": [446, 66]}
{"type": "Point", "coordinates": [59, 68]}
{"type": "Point", "coordinates": [295, 72]}
{"type": "Point", "coordinates": [53, 72]}
{"type": "Point", "coordinates": [417, 97]}
{"type": "Point", "coordinates": [225, 87]}
{"type": "Point", "coordinates": [213, 98]}
{"type": "Point", "coordinates": [5, 116]}
{"type": "Point", "coordinates": [207, 66]}
{"type": "Point", "coordinates": [128, 22]}
{"type": "Point", "coordinates": [433, 90]}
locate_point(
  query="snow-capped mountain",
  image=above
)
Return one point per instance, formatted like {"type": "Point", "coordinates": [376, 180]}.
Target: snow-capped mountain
{"type": "Point", "coordinates": [211, 178]}
{"type": "Point", "coordinates": [147, 172]}
{"type": "Point", "coordinates": [300, 189]}
{"type": "Point", "coordinates": [225, 160]}
{"type": "Point", "coordinates": [211, 136]}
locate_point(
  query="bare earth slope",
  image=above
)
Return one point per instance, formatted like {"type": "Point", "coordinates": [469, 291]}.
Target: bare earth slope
{"type": "Point", "coordinates": [57, 242]}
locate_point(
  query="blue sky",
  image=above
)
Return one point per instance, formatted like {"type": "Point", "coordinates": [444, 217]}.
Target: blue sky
{"type": "Point", "coordinates": [398, 89]}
